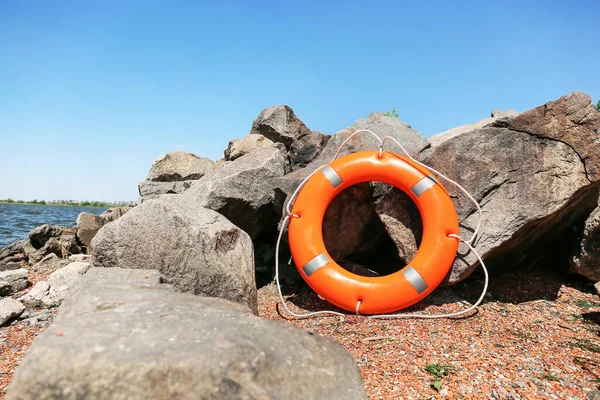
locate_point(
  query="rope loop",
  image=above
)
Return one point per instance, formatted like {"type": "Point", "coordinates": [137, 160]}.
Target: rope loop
{"type": "Point", "coordinates": [468, 243]}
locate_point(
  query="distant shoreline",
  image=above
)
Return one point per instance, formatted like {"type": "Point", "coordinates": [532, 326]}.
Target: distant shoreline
{"type": "Point", "coordinates": [91, 205]}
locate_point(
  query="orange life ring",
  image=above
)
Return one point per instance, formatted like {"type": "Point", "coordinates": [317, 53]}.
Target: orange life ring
{"type": "Point", "coordinates": [381, 294]}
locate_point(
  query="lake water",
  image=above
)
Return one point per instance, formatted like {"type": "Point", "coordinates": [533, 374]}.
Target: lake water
{"type": "Point", "coordinates": [16, 220]}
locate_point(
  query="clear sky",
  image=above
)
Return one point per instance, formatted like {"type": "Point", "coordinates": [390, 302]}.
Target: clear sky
{"type": "Point", "coordinates": [91, 92]}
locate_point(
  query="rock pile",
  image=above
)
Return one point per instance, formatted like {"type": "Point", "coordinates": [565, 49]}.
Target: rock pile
{"type": "Point", "coordinates": [536, 176]}
{"type": "Point", "coordinates": [57, 254]}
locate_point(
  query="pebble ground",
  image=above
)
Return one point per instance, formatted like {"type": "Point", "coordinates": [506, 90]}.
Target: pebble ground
{"type": "Point", "coordinates": [536, 336]}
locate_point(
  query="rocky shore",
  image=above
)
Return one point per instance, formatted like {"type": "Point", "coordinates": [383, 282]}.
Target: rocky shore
{"type": "Point", "coordinates": [160, 299]}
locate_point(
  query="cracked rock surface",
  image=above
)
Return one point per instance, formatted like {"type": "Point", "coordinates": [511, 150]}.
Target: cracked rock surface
{"type": "Point", "coordinates": [535, 181]}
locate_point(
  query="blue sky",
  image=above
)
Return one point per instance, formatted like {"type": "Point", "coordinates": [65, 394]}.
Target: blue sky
{"type": "Point", "coordinates": [92, 92]}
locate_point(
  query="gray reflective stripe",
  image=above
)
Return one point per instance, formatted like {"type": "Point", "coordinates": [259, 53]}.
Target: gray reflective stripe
{"type": "Point", "coordinates": [332, 176]}
{"type": "Point", "coordinates": [424, 184]}
{"type": "Point", "coordinates": [313, 265]}
{"type": "Point", "coordinates": [415, 279]}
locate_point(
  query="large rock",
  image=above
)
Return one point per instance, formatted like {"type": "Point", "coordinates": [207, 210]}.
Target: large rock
{"type": "Point", "coordinates": [43, 295]}
{"type": "Point", "coordinates": [279, 124]}
{"type": "Point", "coordinates": [13, 253]}
{"type": "Point", "coordinates": [196, 249]}
{"type": "Point", "coordinates": [40, 235]}
{"type": "Point", "coordinates": [51, 293]}
{"type": "Point", "coordinates": [66, 276]}
{"type": "Point", "coordinates": [306, 148]}
{"type": "Point", "coordinates": [572, 120]}
{"type": "Point", "coordinates": [586, 260]}
{"type": "Point", "coordinates": [381, 125]}
{"type": "Point", "coordinates": [46, 239]}
{"type": "Point", "coordinates": [241, 147]}
{"type": "Point", "coordinates": [114, 213]}
{"type": "Point", "coordinates": [179, 166]}
{"type": "Point", "coordinates": [10, 309]}
{"type": "Point", "coordinates": [440, 138]}
{"type": "Point", "coordinates": [122, 335]}
{"type": "Point", "coordinates": [532, 187]}
{"type": "Point", "coordinates": [9, 266]}
{"type": "Point", "coordinates": [49, 264]}
{"type": "Point", "coordinates": [152, 190]}
{"type": "Point", "coordinates": [351, 227]}
{"type": "Point", "coordinates": [89, 224]}
{"type": "Point", "coordinates": [13, 281]}
{"type": "Point", "coordinates": [62, 246]}
{"type": "Point", "coordinates": [242, 190]}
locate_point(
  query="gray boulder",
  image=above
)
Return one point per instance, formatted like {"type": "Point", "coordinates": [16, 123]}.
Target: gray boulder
{"type": "Point", "coordinates": [114, 213]}
{"type": "Point", "coordinates": [573, 120]}
{"type": "Point", "coordinates": [122, 335]}
{"type": "Point", "coordinates": [88, 225]}
{"type": "Point", "coordinates": [13, 281]}
{"type": "Point", "coordinates": [586, 258]}
{"type": "Point", "coordinates": [279, 124]}
{"type": "Point", "coordinates": [60, 240]}
{"type": "Point", "coordinates": [13, 253]}
{"type": "Point", "coordinates": [196, 249]}
{"type": "Point", "coordinates": [40, 235]}
{"type": "Point", "coordinates": [49, 264]}
{"type": "Point", "coordinates": [179, 166]}
{"type": "Point", "coordinates": [9, 266]}
{"type": "Point", "coordinates": [242, 190]}
{"type": "Point", "coordinates": [80, 257]}
{"type": "Point", "coordinates": [43, 295]}
{"type": "Point", "coordinates": [306, 148]}
{"type": "Point", "coordinates": [10, 309]}
{"type": "Point", "coordinates": [37, 318]}
{"type": "Point", "coordinates": [152, 190]}
{"type": "Point", "coordinates": [62, 247]}
{"type": "Point", "coordinates": [533, 187]}
{"type": "Point", "coordinates": [65, 277]}
{"type": "Point", "coordinates": [240, 147]}
{"type": "Point", "coordinates": [496, 115]}
{"type": "Point", "coordinates": [51, 293]}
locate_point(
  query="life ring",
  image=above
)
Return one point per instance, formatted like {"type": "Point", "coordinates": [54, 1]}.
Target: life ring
{"type": "Point", "coordinates": [381, 294]}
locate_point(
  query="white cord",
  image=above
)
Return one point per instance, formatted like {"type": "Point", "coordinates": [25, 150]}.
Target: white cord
{"type": "Point", "coordinates": [467, 242]}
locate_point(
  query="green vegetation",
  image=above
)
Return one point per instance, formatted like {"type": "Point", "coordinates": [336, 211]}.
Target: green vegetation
{"type": "Point", "coordinates": [438, 371]}
{"type": "Point", "coordinates": [584, 304]}
{"type": "Point", "coordinates": [73, 203]}
{"type": "Point", "coordinates": [394, 113]}
{"type": "Point", "coordinates": [598, 105]}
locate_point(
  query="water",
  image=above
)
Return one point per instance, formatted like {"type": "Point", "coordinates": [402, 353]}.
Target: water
{"type": "Point", "coordinates": [16, 220]}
